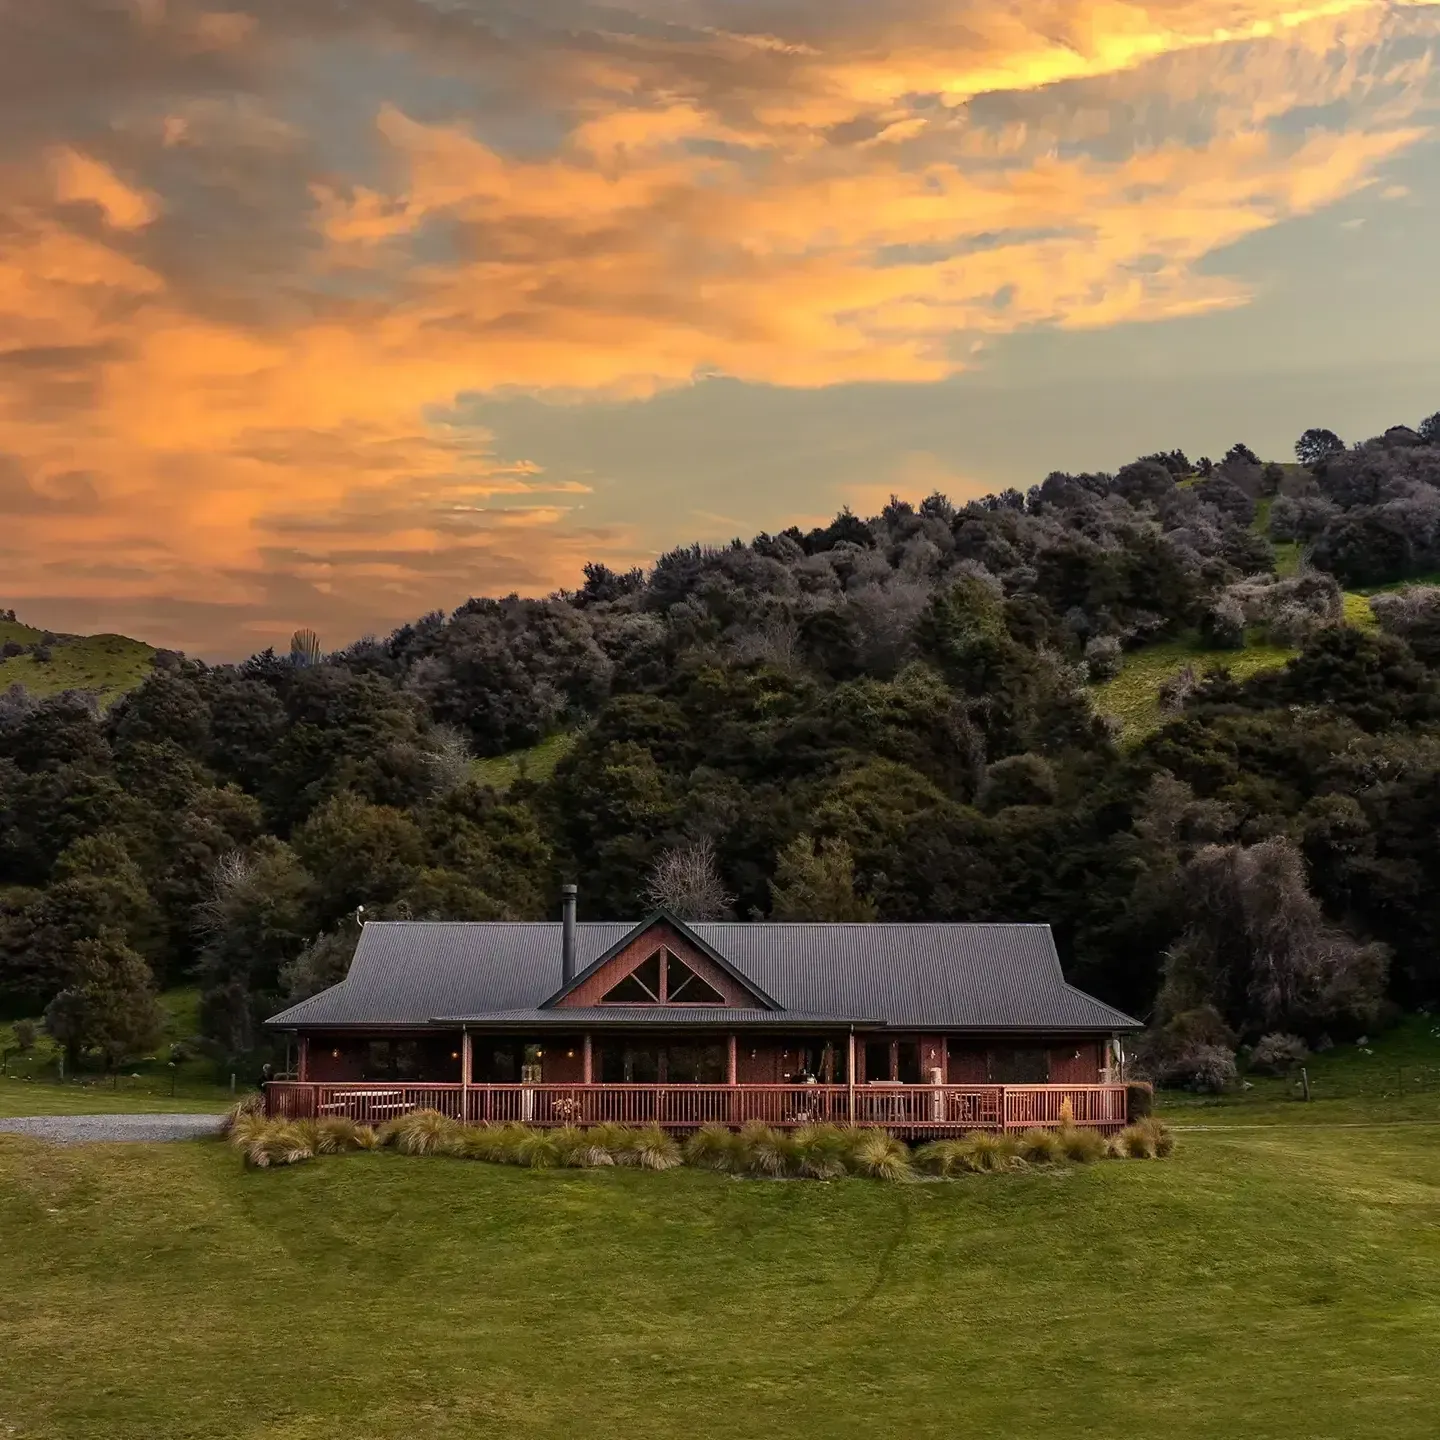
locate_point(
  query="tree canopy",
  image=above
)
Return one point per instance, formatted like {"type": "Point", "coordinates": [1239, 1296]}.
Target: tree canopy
{"type": "Point", "coordinates": [888, 717]}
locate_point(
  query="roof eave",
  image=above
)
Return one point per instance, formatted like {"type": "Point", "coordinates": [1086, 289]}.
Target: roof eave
{"type": "Point", "coordinates": [566, 1020]}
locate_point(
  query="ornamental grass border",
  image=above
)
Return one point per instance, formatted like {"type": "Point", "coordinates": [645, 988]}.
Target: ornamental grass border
{"type": "Point", "coordinates": [756, 1150]}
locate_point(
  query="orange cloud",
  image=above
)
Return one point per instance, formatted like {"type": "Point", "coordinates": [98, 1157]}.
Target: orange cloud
{"type": "Point", "coordinates": [239, 429]}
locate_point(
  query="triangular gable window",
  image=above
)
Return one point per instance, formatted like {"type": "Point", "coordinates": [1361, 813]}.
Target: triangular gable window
{"type": "Point", "coordinates": [640, 987]}
{"type": "Point", "coordinates": [684, 987]}
{"type": "Point", "coordinates": [662, 978]}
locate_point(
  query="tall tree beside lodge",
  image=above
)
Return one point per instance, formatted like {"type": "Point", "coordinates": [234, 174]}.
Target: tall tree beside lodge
{"type": "Point", "coordinates": [109, 1006]}
{"type": "Point", "coordinates": [816, 881]}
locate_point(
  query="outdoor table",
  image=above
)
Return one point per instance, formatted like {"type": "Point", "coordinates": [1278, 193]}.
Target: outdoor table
{"type": "Point", "coordinates": [387, 1101]}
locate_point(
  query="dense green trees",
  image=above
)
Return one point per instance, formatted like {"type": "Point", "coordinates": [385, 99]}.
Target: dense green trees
{"type": "Point", "coordinates": [876, 718]}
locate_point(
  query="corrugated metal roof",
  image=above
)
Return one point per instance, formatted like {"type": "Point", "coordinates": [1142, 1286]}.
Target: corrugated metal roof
{"type": "Point", "coordinates": [972, 977]}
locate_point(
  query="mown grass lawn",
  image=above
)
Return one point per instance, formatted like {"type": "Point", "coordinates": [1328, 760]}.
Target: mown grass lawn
{"type": "Point", "coordinates": [1265, 1283]}
{"type": "Point", "coordinates": [22, 1097]}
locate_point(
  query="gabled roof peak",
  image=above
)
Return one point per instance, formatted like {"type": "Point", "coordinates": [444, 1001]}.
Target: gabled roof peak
{"type": "Point", "coordinates": [683, 930]}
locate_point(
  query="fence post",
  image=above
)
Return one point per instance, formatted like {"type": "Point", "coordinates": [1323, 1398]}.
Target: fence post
{"type": "Point", "coordinates": [1305, 1082]}
{"type": "Point", "coordinates": [232, 1082]}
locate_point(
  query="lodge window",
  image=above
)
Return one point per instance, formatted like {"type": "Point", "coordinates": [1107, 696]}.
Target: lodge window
{"type": "Point", "coordinates": [622, 1064]}
{"type": "Point", "coordinates": [662, 979]}
{"type": "Point", "coordinates": [416, 1061]}
{"type": "Point", "coordinates": [640, 987]}
{"type": "Point", "coordinates": [1027, 1066]}
{"type": "Point", "coordinates": [820, 1060]}
{"type": "Point", "coordinates": [506, 1062]}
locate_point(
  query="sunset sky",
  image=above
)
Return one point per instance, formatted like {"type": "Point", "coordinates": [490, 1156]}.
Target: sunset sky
{"type": "Point", "coordinates": [331, 312]}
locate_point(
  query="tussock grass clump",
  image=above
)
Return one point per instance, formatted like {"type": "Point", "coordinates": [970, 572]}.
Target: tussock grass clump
{"type": "Point", "coordinates": [244, 1108]}
{"type": "Point", "coordinates": [338, 1133]}
{"type": "Point", "coordinates": [498, 1144]}
{"type": "Point", "coordinates": [650, 1148]}
{"type": "Point", "coordinates": [578, 1149]}
{"type": "Point", "coordinates": [982, 1152]}
{"type": "Point", "coordinates": [823, 1152]}
{"type": "Point", "coordinates": [278, 1142]}
{"type": "Point", "coordinates": [712, 1147]}
{"type": "Point", "coordinates": [992, 1154]}
{"type": "Point", "coordinates": [539, 1150]}
{"type": "Point", "coordinates": [1041, 1147]}
{"type": "Point", "coordinates": [1148, 1139]}
{"type": "Point", "coordinates": [247, 1127]}
{"type": "Point", "coordinates": [763, 1150]}
{"type": "Point", "coordinates": [878, 1154]}
{"type": "Point", "coordinates": [943, 1157]}
{"type": "Point", "coordinates": [1081, 1145]}
{"type": "Point", "coordinates": [610, 1137]}
{"type": "Point", "coordinates": [422, 1132]}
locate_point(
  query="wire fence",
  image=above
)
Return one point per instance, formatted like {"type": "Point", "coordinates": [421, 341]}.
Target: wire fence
{"type": "Point", "coordinates": [196, 1082]}
{"type": "Point", "coordinates": [1370, 1082]}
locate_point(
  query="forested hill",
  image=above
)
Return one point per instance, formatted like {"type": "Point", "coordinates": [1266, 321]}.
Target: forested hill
{"type": "Point", "coordinates": [890, 717]}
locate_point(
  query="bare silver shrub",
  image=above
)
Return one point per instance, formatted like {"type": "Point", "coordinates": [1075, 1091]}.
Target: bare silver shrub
{"type": "Point", "coordinates": [231, 877]}
{"type": "Point", "coordinates": [775, 642]}
{"type": "Point", "coordinates": [686, 881]}
{"type": "Point", "coordinates": [1103, 657]}
{"type": "Point", "coordinates": [885, 616]}
{"type": "Point", "coordinates": [447, 758]}
{"type": "Point", "coordinates": [1175, 691]}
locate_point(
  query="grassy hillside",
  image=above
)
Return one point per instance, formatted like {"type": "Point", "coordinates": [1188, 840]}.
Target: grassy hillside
{"type": "Point", "coordinates": [165, 1291]}
{"type": "Point", "coordinates": [1133, 696]}
{"type": "Point", "coordinates": [538, 762]}
{"type": "Point", "coordinates": [107, 664]}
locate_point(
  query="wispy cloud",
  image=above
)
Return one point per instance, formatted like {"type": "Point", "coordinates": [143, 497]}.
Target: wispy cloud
{"type": "Point", "coordinates": [238, 317]}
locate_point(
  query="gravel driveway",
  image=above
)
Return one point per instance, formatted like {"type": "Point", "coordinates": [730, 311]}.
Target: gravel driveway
{"type": "Point", "coordinates": [86, 1129]}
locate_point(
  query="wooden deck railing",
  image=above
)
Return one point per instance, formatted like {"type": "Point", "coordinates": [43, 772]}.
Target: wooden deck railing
{"type": "Point", "coordinates": [935, 1110]}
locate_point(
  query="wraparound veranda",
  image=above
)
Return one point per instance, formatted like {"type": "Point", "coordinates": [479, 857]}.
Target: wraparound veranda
{"type": "Point", "coordinates": [921, 1028]}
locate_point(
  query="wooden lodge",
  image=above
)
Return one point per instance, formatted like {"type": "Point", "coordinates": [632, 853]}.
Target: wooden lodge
{"type": "Point", "coordinates": [922, 1029]}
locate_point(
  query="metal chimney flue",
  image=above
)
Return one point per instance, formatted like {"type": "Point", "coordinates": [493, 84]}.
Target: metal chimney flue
{"type": "Point", "coordinates": [567, 933]}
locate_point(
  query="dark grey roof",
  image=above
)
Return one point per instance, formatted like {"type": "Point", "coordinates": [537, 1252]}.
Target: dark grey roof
{"type": "Point", "coordinates": [971, 977]}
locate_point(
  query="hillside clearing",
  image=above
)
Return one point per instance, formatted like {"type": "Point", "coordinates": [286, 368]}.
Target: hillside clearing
{"type": "Point", "coordinates": [1133, 696]}
{"type": "Point", "coordinates": [537, 762]}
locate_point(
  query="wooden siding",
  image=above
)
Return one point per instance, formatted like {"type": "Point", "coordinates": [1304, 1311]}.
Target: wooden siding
{"type": "Point", "coordinates": [1076, 1064]}
{"type": "Point", "coordinates": [967, 1065]}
